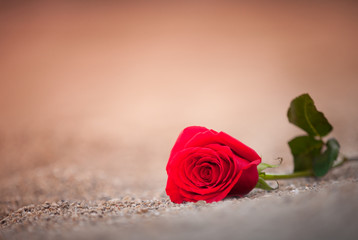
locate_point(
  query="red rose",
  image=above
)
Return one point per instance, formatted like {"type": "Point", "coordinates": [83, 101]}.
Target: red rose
{"type": "Point", "coordinates": [207, 165]}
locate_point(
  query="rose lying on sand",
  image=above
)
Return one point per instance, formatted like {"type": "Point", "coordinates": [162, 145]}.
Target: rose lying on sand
{"type": "Point", "coordinates": [207, 165]}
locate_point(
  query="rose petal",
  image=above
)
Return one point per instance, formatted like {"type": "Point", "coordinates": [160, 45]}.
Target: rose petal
{"type": "Point", "coordinates": [210, 137]}
{"type": "Point", "coordinates": [226, 161]}
{"type": "Point", "coordinates": [238, 147]}
{"type": "Point", "coordinates": [173, 191]}
{"type": "Point", "coordinates": [182, 178]}
{"type": "Point", "coordinates": [184, 137]}
{"type": "Point", "coordinates": [215, 174]}
{"type": "Point", "coordinates": [209, 197]}
{"type": "Point", "coordinates": [246, 182]}
{"type": "Point", "coordinates": [207, 165]}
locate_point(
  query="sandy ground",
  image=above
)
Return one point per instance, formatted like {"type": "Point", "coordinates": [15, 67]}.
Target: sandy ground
{"type": "Point", "coordinates": [73, 204]}
{"type": "Point", "coordinates": [94, 93]}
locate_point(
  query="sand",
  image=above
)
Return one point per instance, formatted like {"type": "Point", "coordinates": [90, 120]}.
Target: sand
{"type": "Point", "coordinates": [55, 203]}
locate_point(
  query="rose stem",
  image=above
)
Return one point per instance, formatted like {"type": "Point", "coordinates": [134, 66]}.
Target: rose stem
{"type": "Point", "coordinates": [307, 173]}
{"type": "Point", "coordinates": [287, 176]}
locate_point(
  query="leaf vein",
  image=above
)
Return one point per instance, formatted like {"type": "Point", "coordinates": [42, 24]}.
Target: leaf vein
{"type": "Point", "coordinates": [308, 120]}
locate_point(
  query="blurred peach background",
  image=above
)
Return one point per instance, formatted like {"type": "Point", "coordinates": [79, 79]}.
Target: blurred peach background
{"type": "Point", "coordinates": [110, 84]}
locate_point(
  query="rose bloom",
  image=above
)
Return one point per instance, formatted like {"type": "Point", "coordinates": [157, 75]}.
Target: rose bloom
{"type": "Point", "coordinates": [207, 165]}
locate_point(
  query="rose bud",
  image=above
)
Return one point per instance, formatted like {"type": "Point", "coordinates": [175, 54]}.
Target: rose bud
{"type": "Point", "coordinates": [207, 165]}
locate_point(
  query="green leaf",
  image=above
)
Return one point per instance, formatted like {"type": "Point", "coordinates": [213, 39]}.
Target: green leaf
{"type": "Point", "coordinates": [263, 166]}
{"type": "Point", "coordinates": [304, 149]}
{"type": "Point", "coordinates": [304, 114]}
{"type": "Point", "coordinates": [262, 184]}
{"type": "Point", "coordinates": [324, 162]}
